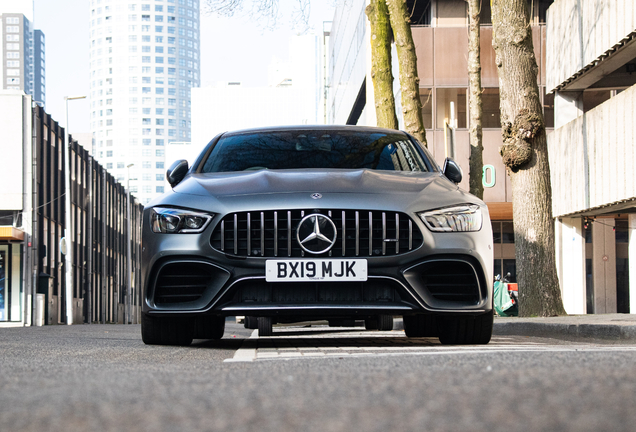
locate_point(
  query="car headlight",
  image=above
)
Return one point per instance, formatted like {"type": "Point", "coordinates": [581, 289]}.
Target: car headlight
{"type": "Point", "coordinates": [460, 218]}
{"type": "Point", "coordinates": [173, 221]}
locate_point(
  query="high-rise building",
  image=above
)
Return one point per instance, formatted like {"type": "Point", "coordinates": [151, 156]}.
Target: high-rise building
{"type": "Point", "coordinates": [22, 50]}
{"type": "Point", "coordinates": [144, 59]}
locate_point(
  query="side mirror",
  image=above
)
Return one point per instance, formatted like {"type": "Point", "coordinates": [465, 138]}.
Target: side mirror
{"type": "Point", "coordinates": [177, 172]}
{"type": "Point", "coordinates": [452, 171]}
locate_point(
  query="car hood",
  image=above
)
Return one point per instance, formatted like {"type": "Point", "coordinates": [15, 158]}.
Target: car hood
{"type": "Point", "coordinates": [324, 181]}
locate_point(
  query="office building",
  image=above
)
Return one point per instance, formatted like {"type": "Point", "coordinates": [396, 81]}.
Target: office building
{"type": "Point", "coordinates": [144, 60]}
{"type": "Point", "coordinates": [591, 70]}
{"type": "Point", "coordinates": [440, 34]}
{"type": "Point", "coordinates": [292, 96]}
{"type": "Point", "coordinates": [22, 50]}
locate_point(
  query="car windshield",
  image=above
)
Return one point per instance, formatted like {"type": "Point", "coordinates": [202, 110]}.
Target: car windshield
{"type": "Point", "coordinates": [302, 149]}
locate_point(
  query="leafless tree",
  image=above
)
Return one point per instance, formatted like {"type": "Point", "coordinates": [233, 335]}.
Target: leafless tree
{"type": "Point", "coordinates": [525, 154]}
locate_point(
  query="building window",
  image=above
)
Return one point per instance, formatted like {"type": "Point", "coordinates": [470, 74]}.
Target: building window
{"type": "Point", "coordinates": [159, 165]}
{"type": "Point", "coordinates": [491, 118]}
{"type": "Point", "coordinates": [451, 102]}
{"type": "Point", "coordinates": [146, 165]}
{"type": "Point", "coordinates": [426, 97]}
{"type": "Point", "coordinates": [159, 189]}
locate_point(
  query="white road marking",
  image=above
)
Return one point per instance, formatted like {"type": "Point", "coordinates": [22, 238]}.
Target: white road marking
{"type": "Point", "coordinates": [294, 343]}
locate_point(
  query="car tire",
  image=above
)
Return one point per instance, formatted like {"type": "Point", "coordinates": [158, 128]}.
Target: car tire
{"type": "Point", "coordinates": [166, 330]}
{"type": "Point", "coordinates": [371, 323]}
{"type": "Point", "coordinates": [209, 327]}
{"type": "Point", "coordinates": [251, 323]}
{"type": "Point", "coordinates": [420, 326]}
{"type": "Point", "coordinates": [265, 326]}
{"type": "Point", "coordinates": [385, 322]}
{"type": "Point", "coordinates": [475, 330]}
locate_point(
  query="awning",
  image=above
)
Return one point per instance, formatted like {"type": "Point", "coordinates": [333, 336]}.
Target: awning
{"type": "Point", "coordinates": [10, 233]}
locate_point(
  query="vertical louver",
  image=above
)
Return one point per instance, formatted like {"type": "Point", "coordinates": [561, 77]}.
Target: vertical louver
{"type": "Point", "coordinates": [360, 233]}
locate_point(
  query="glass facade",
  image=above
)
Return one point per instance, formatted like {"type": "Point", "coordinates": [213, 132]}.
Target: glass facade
{"type": "Point", "coordinates": [144, 59]}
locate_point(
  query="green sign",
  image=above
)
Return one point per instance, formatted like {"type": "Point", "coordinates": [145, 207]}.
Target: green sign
{"type": "Point", "coordinates": [493, 176]}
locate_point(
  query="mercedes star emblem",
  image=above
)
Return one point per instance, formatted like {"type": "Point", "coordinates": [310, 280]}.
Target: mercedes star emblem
{"type": "Point", "coordinates": [316, 233]}
{"type": "Point", "coordinates": [316, 196]}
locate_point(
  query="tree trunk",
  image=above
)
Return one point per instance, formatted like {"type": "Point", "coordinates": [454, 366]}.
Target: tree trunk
{"type": "Point", "coordinates": [476, 164]}
{"type": "Point", "coordinates": [381, 73]}
{"type": "Point", "coordinates": [525, 155]}
{"type": "Point", "coordinates": [407, 59]}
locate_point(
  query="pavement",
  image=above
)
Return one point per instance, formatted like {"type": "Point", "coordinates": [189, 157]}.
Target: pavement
{"type": "Point", "coordinates": [611, 327]}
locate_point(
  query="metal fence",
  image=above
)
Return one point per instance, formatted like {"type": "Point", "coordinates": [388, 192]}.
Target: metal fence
{"type": "Point", "coordinates": [100, 231]}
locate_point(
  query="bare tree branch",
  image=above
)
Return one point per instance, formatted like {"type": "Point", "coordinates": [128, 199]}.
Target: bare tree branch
{"type": "Point", "coordinates": [266, 13]}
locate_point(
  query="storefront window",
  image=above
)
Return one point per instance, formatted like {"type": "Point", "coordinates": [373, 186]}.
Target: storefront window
{"type": "Point", "coordinates": [10, 283]}
{"type": "Point", "coordinates": [451, 102]}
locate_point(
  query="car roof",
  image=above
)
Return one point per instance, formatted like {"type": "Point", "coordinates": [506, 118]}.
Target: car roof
{"type": "Point", "coordinates": [335, 128]}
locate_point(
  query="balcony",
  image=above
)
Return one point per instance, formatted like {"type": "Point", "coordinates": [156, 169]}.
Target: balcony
{"type": "Point", "coordinates": [592, 158]}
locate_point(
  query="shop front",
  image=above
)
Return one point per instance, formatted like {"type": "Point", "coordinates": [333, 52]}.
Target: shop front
{"type": "Point", "coordinates": [11, 289]}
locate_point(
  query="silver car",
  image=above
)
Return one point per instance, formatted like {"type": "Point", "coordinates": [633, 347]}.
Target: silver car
{"type": "Point", "coordinates": [335, 223]}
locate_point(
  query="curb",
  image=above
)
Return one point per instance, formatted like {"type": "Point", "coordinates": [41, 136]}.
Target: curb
{"type": "Point", "coordinates": [567, 331]}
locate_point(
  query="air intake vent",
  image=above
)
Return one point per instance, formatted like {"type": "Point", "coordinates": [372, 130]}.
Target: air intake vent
{"type": "Point", "coordinates": [452, 281]}
{"type": "Point", "coordinates": [360, 233]}
{"type": "Point", "coordinates": [183, 282]}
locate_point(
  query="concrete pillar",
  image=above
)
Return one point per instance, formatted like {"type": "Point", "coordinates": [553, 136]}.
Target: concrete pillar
{"type": "Point", "coordinates": [567, 107]}
{"type": "Point", "coordinates": [604, 265]}
{"type": "Point", "coordinates": [632, 263]}
{"type": "Point", "coordinates": [570, 244]}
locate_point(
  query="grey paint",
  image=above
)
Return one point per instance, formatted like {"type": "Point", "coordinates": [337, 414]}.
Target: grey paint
{"type": "Point", "coordinates": [223, 193]}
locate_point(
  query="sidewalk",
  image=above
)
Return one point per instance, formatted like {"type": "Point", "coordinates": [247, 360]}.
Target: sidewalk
{"type": "Point", "coordinates": [613, 327]}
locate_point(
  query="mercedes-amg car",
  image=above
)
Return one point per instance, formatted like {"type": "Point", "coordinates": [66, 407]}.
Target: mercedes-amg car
{"type": "Point", "coordinates": [333, 223]}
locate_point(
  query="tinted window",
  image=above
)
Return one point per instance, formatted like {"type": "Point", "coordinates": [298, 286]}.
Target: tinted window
{"type": "Point", "coordinates": [315, 149]}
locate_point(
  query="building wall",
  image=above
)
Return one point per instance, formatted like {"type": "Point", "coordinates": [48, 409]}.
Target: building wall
{"type": "Point", "coordinates": [593, 26]}
{"type": "Point", "coordinates": [39, 67]}
{"type": "Point", "coordinates": [144, 59]}
{"type": "Point", "coordinates": [14, 107]}
{"type": "Point", "coordinates": [592, 157]}
{"type": "Point", "coordinates": [98, 230]}
{"type": "Point", "coordinates": [15, 203]}
{"type": "Point", "coordinates": [348, 61]}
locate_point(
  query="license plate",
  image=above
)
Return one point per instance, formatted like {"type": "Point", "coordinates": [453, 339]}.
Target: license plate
{"type": "Point", "coordinates": [326, 270]}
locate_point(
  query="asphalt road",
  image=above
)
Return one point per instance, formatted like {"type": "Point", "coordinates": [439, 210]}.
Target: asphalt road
{"type": "Point", "coordinates": [102, 377]}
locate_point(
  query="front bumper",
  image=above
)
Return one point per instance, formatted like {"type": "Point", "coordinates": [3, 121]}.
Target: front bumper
{"type": "Point", "coordinates": [448, 274]}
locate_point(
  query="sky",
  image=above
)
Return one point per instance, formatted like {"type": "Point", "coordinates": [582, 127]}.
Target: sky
{"type": "Point", "coordinates": [237, 48]}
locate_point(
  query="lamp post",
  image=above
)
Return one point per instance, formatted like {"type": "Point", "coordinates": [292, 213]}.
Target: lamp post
{"type": "Point", "coordinates": [128, 251]}
{"type": "Point", "coordinates": [68, 262]}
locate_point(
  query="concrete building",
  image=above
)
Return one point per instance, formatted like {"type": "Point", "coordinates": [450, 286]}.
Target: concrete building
{"type": "Point", "coordinates": [591, 70]}
{"type": "Point", "coordinates": [22, 50]}
{"type": "Point", "coordinates": [32, 223]}
{"type": "Point", "coordinates": [144, 59]}
{"type": "Point", "coordinates": [293, 96]}
{"type": "Point", "coordinates": [440, 33]}
{"type": "Point", "coordinates": [16, 206]}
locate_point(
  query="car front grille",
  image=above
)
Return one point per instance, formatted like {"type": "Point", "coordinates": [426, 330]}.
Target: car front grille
{"type": "Point", "coordinates": [359, 233]}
